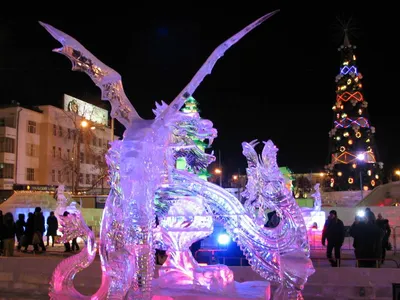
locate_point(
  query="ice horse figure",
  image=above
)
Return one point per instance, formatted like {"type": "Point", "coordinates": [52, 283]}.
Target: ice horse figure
{"type": "Point", "coordinates": [315, 218]}
{"type": "Point", "coordinates": [137, 170]}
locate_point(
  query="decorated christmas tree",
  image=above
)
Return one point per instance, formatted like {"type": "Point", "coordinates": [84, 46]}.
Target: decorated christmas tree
{"type": "Point", "coordinates": [353, 154]}
{"type": "Point", "coordinates": [191, 107]}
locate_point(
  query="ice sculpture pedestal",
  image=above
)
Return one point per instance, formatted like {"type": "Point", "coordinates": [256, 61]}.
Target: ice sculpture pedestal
{"type": "Point", "coordinates": [315, 221]}
{"type": "Point", "coordinates": [312, 217]}
{"type": "Point", "coordinates": [254, 290]}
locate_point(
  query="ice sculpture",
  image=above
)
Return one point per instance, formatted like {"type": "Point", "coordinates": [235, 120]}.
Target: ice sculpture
{"type": "Point", "coordinates": [280, 254]}
{"type": "Point", "coordinates": [314, 218]}
{"type": "Point", "coordinates": [317, 198]}
{"type": "Point", "coordinates": [266, 189]}
{"type": "Point", "coordinates": [138, 166]}
{"type": "Point", "coordinates": [62, 287]}
{"type": "Point", "coordinates": [255, 202]}
{"type": "Point", "coordinates": [62, 202]}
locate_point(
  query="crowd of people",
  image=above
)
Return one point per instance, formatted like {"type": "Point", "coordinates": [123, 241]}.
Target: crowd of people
{"type": "Point", "coordinates": [370, 235]}
{"type": "Point", "coordinates": [370, 238]}
{"type": "Point", "coordinates": [29, 232]}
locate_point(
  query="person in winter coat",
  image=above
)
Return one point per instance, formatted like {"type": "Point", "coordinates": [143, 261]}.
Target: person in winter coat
{"type": "Point", "coordinates": [273, 219]}
{"type": "Point", "coordinates": [367, 239]}
{"type": "Point", "coordinates": [29, 230]}
{"type": "Point", "coordinates": [67, 245]}
{"type": "Point", "coordinates": [39, 229]}
{"type": "Point", "coordinates": [9, 231]}
{"type": "Point", "coordinates": [20, 229]}
{"type": "Point", "coordinates": [333, 232]}
{"type": "Point", "coordinates": [369, 214]}
{"type": "Point", "coordinates": [52, 226]}
{"type": "Point", "coordinates": [383, 224]}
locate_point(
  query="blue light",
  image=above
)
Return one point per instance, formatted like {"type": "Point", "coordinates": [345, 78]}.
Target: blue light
{"type": "Point", "coordinates": [224, 239]}
{"type": "Point", "coordinates": [345, 70]}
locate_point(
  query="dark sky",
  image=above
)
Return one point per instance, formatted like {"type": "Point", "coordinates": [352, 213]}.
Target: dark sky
{"type": "Point", "coordinates": [277, 83]}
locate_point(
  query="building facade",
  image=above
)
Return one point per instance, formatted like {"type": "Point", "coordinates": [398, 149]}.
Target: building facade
{"type": "Point", "coordinates": [45, 146]}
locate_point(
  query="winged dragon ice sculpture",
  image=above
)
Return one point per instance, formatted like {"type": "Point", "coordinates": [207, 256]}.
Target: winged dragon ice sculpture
{"type": "Point", "coordinates": [141, 169]}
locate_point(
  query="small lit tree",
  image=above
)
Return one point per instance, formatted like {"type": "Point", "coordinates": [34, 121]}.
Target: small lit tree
{"type": "Point", "coordinates": [302, 187]}
{"type": "Point", "coordinates": [190, 107]}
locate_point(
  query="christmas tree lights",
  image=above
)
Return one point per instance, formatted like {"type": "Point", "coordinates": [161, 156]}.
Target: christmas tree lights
{"type": "Point", "coordinates": [191, 107]}
{"type": "Point", "coordinates": [353, 154]}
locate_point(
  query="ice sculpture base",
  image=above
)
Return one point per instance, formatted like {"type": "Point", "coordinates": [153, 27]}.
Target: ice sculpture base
{"type": "Point", "coordinates": [255, 290]}
{"type": "Point", "coordinates": [313, 217]}
{"type": "Point", "coordinates": [315, 221]}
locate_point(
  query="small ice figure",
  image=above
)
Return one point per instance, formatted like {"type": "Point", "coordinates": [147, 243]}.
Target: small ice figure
{"type": "Point", "coordinates": [317, 198]}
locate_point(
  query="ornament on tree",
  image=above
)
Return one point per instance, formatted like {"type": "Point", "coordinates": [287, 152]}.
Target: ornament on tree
{"type": "Point", "coordinates": [332, 132]}
{"type": "Point", "coordinates": [355, 127]}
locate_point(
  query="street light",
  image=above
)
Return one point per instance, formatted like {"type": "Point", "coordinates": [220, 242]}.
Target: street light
{"type": "Point", "coordinates": [76, 156]}
{"type": "Point", "coordinates": [76, 153]}
{"type": "Point", "coordinates": [397, 172]}
{"type": "Point", "coordinates": [218, 171]}
{"type": "Point", "coordinates": [238, 182]}
{"type": "Point", "coordinates": [361, 157]}
{"type": "Point", "coordinates": [84, 123]}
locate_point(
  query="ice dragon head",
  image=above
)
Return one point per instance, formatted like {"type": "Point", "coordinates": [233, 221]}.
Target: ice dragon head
{"type": "Point", "coordinates": [189, 136]}
{"type": "Point", "coordinates": [265, 183]}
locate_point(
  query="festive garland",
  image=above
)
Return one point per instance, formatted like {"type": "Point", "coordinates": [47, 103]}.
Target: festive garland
{"type": "Point", "coordinates": [346, 70]}
{"type": "Point", "coordinates": [347, 122]}
{"type": "Point", "coordinates": [347, 96]}
{"type": "Point", "coordinates": [348, 157]}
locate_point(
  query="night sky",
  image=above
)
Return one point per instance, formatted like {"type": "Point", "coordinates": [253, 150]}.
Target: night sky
{"type": "Point", "coordinates": [277, 83]}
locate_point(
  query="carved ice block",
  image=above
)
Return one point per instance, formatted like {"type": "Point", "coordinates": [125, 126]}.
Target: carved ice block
{"type": "Point", "coordinates": [255, 290]}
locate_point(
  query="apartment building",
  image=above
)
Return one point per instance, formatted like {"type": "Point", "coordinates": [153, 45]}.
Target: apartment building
{"type": "Point", "coordinates": [45, 146]}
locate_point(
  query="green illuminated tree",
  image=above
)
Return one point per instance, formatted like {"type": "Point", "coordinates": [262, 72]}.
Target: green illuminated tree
{"type": "Point", "coordinates": [191, 106]}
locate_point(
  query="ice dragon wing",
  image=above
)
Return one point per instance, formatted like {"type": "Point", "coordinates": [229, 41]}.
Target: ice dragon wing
{"type": "Point", "coordinates": [108, 80]}
{"type": "Point", "coordinates": [207, 67]}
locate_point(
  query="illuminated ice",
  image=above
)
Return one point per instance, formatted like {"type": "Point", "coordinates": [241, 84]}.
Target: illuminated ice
{"type": "Point", "coordinates": [317, 198]}
{"type": "Point", "coordinates": [145, 183]}
{"type": "Point", "coordinates": [62, 202]}
{"type": "Point", "coordinates": [314, 218]}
